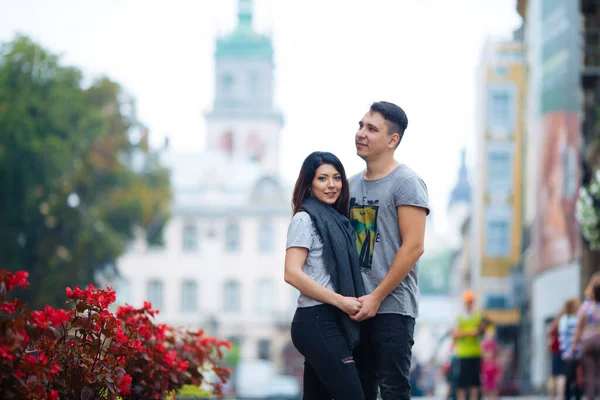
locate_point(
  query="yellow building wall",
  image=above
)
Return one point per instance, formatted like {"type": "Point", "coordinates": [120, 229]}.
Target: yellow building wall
{"type": "Point", "coordinates": [501, 266]}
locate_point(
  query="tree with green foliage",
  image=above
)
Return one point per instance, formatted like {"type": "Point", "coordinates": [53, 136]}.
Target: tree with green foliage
{"type": "Point", "coordinates": [77, 181]}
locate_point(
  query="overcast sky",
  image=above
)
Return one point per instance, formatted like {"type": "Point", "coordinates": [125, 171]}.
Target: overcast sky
{"type": "Point", "coordinates": [333, 58]}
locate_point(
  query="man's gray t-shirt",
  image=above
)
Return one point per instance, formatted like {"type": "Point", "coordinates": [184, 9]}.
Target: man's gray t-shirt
{"type": "Point", "coordinates": [374, 215]}
{"type": "Point", "coordinates": [302, 233]}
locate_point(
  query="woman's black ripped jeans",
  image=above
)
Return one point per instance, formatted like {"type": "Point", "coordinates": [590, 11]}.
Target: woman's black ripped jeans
{"type": "Point", "coordinates": [329, 369]}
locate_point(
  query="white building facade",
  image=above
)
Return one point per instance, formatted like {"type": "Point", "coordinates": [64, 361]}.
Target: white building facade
{"type": "Point", "coordinates": [221, 265]}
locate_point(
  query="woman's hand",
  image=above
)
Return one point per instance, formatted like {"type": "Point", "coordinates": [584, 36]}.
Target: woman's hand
{"type": "Point", "coordinates": [349, 305]}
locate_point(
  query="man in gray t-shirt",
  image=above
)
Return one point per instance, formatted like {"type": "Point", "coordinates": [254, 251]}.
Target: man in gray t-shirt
{"type": "Point", "coordinates": [388, 209]}
{"type": "Point", "coordinates": [374, 215]}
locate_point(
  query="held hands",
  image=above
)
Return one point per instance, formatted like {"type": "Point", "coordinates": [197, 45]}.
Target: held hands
{"type": "Point", "coordinates": [370, 305]}
{"type": "Point", "coordinates": [360, 309]}
{"type": "Point", "coordinates": [349, 305]}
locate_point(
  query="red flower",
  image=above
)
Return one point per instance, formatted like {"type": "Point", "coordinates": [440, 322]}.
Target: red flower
{"type": "Point", "coordinates": [43, 359]}
{"type": "Point", "coordinates": [74, 293]}
{"type": "Point", "coordinates": [125, 384]}
{"type": "Point", "coordinates": [29, 359]}
{"type": "Point", "coordinates": [120, 336]}
{"type": "Point", "coordinates": [138, 346]}
{"type": "Point", "coordinates": [124, 310]}
{"type": "Point", "coordinates": [225, 344]}
{"type": "Point", "coordinates": [39, 318]}
{"type": "Point", "coordinates": [56, 317]}
{"type": "Point", "coordinates": [18, 279]}
{"type": "Point", "coordinates": [105, 315]}
{"type": "Point", "coordinates": [52, 395]}
{"type": "Point", "coordinates": [169, 358]}
{"type": "Point", "coordinates": [55, 369]}
{"type": "Point", "coordinates": [9, 307]}
{"type": "Point", "coordinates": [182, 365]}
{"type": "Point", "coordinates": [6, 354]}
{"type": "Point", "coordinates": [23, 336]}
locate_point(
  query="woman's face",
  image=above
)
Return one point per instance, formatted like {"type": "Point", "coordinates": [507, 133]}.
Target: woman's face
{"type": "Point", "coordinates": [327, 184]}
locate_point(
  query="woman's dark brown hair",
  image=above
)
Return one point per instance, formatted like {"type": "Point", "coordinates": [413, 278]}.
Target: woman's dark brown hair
{"type": "Point", "coordinates": [307, 174]}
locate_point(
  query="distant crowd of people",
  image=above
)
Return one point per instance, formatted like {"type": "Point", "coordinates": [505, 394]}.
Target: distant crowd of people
{"type": "Point", "coordinates": [574, 345]}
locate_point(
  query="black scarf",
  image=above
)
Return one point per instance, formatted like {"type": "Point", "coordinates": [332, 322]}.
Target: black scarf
{"type": "Point", "coordinates": [340, 256]}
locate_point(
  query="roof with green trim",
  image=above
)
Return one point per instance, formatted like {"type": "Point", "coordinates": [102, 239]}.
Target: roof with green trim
{"type": "Point", "coordinates": [244, 42]}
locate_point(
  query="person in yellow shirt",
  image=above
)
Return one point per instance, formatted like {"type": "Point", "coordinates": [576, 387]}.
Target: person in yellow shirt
{"type": "Point", "coordinates": [467, 333]}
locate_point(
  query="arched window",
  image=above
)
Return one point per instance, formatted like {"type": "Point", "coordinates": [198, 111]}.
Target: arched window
{"type": "Point", "coordinates": [233, 238]}
{"type": "Point", "coordinates": [155, 293]}
{"type": "Point", "coordinates": [190, 238]}
{"type": "Point", "coordinates": [231, 297]}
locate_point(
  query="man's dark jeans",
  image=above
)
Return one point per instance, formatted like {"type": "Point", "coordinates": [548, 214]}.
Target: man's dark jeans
{"type": "Point", "coordinates": [384, 354]}
{"type": "Point", "coordinates": [329, 369]}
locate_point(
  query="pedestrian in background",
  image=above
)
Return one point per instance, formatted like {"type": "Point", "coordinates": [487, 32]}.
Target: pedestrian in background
{"type": "Point", "coordinates": [588, 332]}
{"type": "Point", "coordinates": [566, 331]}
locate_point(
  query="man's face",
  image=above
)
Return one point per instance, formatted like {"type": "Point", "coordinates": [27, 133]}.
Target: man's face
{"type": "Point", "coordinates": [373, 137]}
{"type": "Point", "coordinates": [469, 305]}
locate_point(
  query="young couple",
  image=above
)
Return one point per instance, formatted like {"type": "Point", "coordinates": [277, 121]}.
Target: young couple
{"type": "Point", "coordinates": [352, 252]}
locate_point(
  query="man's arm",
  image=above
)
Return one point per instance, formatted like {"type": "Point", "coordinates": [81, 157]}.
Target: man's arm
{"type": "Point", "coordinates": [458, 334]}
{"type": "Point", "coordinates": [411, 222]}
{"type": "Point", "coordinates": [485, 322]}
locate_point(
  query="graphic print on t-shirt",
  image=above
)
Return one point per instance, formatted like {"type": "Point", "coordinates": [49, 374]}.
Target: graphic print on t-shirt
{"type": "Point", "coordinates": [364, 221]}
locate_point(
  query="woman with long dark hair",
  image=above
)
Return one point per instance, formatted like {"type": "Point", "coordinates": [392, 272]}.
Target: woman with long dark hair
{"type": "Point", "coordinates": [322, 263]}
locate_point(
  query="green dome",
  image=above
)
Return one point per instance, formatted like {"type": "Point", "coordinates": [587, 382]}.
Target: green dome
{"type": "Point", "coordinates": [244, 42]}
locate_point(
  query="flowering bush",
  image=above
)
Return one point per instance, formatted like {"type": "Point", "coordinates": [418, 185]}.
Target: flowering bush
{"type": "Point", "coordinates": [588, 212]}
{"type": "Point", "coordinates": [86, 352]}
{"type": "Point", "coordinates": [21, 375]}
{"type": "Point", "coordinates": [168, 358]}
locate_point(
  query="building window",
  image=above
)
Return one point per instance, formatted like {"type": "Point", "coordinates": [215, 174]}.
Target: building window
{"type": "Point", "coordinates": [497, 302]}
{"type": "Point", "coordinates": [498, 231]}
{"type": "Point", "coordinates": [155, 294]}
{"type": "Point", "coordinates": [231, 297]}
{"type": "Point", "coordinates": [500, 168]}
{"type": "Point", "coordinates": [501, 70]}
{"type": "Point", "coordinates": [501, 109]}
{"type": "Point", "coordinates": [265, 296]}
{"type": "Point", "coordinates": [226, 142]}
{"type": "Point", "coordinates": [498, 239]}
{"type": "Point", "coordinates": [190, 238]}
{"type": "Point", "coordinates": [232, 238]}
{"type": "Point", "coordinates": [189, 296]}
{"type": "Point", "coordinates": [227, 82]}
{"type": "Point", "coordinates": [264, 349]}
{"type": "Point", "coordinates": [265, 237]}
{"type": "Point", "coordinates": [123, 291]}
{"type": "Point", "coordinates": [255, 147]}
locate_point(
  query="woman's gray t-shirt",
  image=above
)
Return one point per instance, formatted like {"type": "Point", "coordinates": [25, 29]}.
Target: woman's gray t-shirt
{"type": "Point", "coordinates": [302, 233]}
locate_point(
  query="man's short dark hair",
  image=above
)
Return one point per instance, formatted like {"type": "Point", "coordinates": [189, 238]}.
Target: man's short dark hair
{"type": "Point", "coordinates": [394, 116]}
